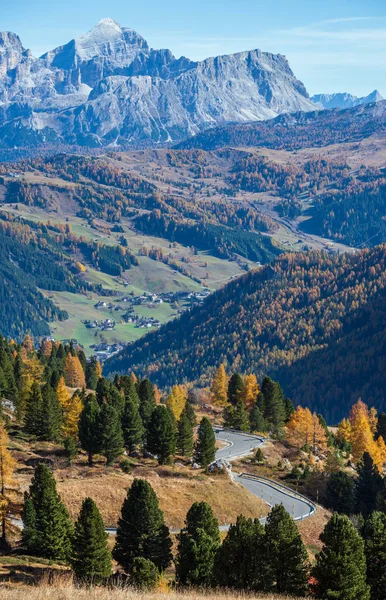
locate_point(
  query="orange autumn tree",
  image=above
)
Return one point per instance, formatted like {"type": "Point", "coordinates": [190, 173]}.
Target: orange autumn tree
{"type": "Point", "coordinates": [219, 388]}
{"type": "Point", "coordinates": [250, 391]}
{"type": "Point", "coordinates": [7, 467]}
{"type": "Point", "coordinates": [305, 430]}
{"type": "Point", "coordinates": [363, 424]}
{"type": "Point", "coordinates": [73, 372]}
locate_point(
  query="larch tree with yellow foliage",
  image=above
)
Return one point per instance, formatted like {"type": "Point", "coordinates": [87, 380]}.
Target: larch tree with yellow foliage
{"type": "Point", "coordinates": [219, 389]}
{"type": "Point", "coordinates": [7, 467]}
{"type": "Point", "coordinates": [71, 417]}
{"type": "Point", "coordinates": [177, 400]}
{"type": "Point", "coordinates": [304, 429]}
{"type": "Point", "coordinates": [343, 434]}
{"type": "Point", "coordinates": [362, 439]}
{"type": "Point", "coordinates": [73, 372]}
{"type": "Point", "coordinates": [250, 391]}
{"type": "Point", "coordinates": [98, 369]}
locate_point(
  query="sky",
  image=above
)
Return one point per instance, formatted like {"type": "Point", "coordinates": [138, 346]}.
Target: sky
{"type": "Point", "coordinates": [332, 45]}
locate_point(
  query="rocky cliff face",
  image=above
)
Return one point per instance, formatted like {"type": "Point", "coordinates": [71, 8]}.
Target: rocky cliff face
{"type": "Point", "coordinates": [109, 88]}
{"type": "Point", "coordinates": [344, 100]}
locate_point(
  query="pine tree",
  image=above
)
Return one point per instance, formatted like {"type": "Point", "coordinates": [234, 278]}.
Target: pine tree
{"type": "Point", "coordinates": [132, 426]}
{"type": "Point", "coordinates": [340, 569]}
{"type": "Point", "coordinates": [198, 543]}
{"type": "Point", "coordinates": [29, 524]}
{"type": "Point", "coordinates": [240, 562]}
{"type": "Point", "coordinates": [92, 373]}
{"type": "Point", "coordinates": [89, 428]}
{"type": "Point", "coordinates": [147, 402]}
{"type": "Point", "coordinates": [374, 535]}
{"type": "Point", "coordinates": [368, 486]}
{"type": "Point", "coordinates": [257, 422]}
{"type": "Point", "coordinates": [51, 415]}
{"type": "Point", "coordinates": [161, 435]}
{"type": "Point", "coordinates": [185, 437]}
{"type": "Point", "coordinates": [381, 426]}
{"type": "Point", "coordinates": [189, 412]}
{"type": "Point", "coordinates": [274, 403]}
{"type": "Point", "coordinates": [286, 554]}
{"type": "Point", "coordinates": [73, 372]}
{"type": "Point", "coordinates": [205, 448]}
{"type": "Point", "coordinates": [7, 467]}
{"type": "Point", "coordinates": [141, 529]}
{"type": "Point", "coordinates": [176, 400]}
{"type": "Point", "coordinates": [235, 389]}
{"type": "Point", "coordinates": [111, 433]}
{"type": "Point", "coordinates": [144, 574]}
{"type": "Point", "coordinates": [127, 384]}
{"type": "Point", "coordinates": [48, 527]}
{"type": "Point", "coordinates": [219, 389]}
{"type": "Point", "coordinates": [91, 558]}
{"type": "Point", "coordinates": [340, 493]}
{"type": "Point", "coordinates": [289, 409]}
{"type": "Point", "coordinates": [33, 413]}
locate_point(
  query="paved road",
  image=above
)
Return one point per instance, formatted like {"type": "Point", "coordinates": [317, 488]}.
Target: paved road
{"type": "Point", "coordinates": [272, 493]}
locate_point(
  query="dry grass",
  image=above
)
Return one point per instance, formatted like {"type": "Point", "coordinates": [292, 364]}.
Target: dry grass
{"type": "Point", "coordinates": [68, 592]}
{"type": "Point", "coordinates": [175, 489]}
{"type": "Point", "coordinates": [312, 527]}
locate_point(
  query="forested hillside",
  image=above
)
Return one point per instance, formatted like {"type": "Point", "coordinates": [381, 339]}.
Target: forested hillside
{"type": "Point", "coordinates": [270, 320]}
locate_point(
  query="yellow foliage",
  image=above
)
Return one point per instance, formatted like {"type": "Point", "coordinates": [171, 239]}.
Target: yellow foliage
{"type": "Point", "coordinates": [304, 429]}
{"type": "Point", "coordinates": [219, 389]}
{"type": "Point", "coordinates": [344, 431]}
{"type": "Point", "coordinates": [7, 467]}
{"type": "Point", "coordinates": [177, 399]}
{"type": "Point", "coordinates": [361, 437]}
{"type": "Point", "coordinates": [73, 371]}
{"type": "Point", "coordinates": [62, 393]}
{"type": "Point", "coordinates": [46, 347]}
{"type": "Point", "coordinates": [71, 414]}
{"type": "Point", "coordinates": [80, 267]}
{"type": "Point", "coordinates": [250, 391]}
{"type": "Point", "coordinates": [98, 369]}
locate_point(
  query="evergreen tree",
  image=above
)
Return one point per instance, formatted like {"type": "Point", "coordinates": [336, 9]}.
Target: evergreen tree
{"type": "Point", "coordinates": [89, 428]}
{"type": "Point", "coordinates": [127, 384]}
{"type": "Point", "coordinates": [274, 403]}
{"type": "Point", "coordinates": [147, 401]}
{"type": "Point", "coordinates": [198, 543]}
{"type": "Point", "coordinates": [286, 554]}
{"type": "Point", "coordinates": [91, 374]}
{"type": "Point", "coordinates": [70, 449]}
{"type": "Point", "coordinates": [111, 437]}
{"type": "Point", "coordinates": [144, 574]}
{"type": "Point", "coordinates": [340, 493]}
{"type": "Point", "coordinates": [235, 389]}
{"type": "Point", "coordinates": [257, 421]}
{"type": "Point", "coordinates": [189, 412]}
{"type": "Point", "coordinates": [132, 426]}
{"type": "Point", "coordinates": [91, 558]}
{"type": "Point", "coordinates": [205, 448]}
{"type": "Point", "coordinates": [33, 413]}
{"type": "Point", "coordinates": [185, 437]}
{"type": "Point", "coordinates": [289, 409]}
{"type": "Point", "coordinates": [141, 529]}
{"type": "Point", "coordinates": [374, 535]}
{"type": "Point", "coordinates": [260, 403]}
{"type": "Point", "coordinates": [48, 527]}
{"type": "Point", "coordinates": [368, 486]}
{"type": "Point", "coordinates": [29, 524]}
{"type": "Point", "coordinates": [51, 415]}
{"type": "Point", "coordinates": [381, 426]}
{"type": "Point", "coordinates": [236, 417]}
{"type": "Point", "coordinates": [340, 569]}
{"type": "Point", "coordinates": [161, 435]}
{"type": "Point", "coordinates": [240, 561]}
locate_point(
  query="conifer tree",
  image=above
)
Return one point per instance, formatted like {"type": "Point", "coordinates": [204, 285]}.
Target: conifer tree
{"type": "Point", "coordinates": [91, 558]}
{"type": "Point", "coordinates": [48, 527]}
{"type": "Point", "coordinates": [89, 428]}
{"type": "Point", "coordinates": [185, 437]}
{"type": "Point", "coordinates": [381, 426]}
{"type": "Point", "coordinates": [198, 543]}
{"type": "Point", "coordinates": [189, 412]}
{"type": "Point", "coordinates": [161, 435]}
{"type": "Point", "coordinates": [73, 372]}
{"type": "Point", "coordinates": [219, 389]}
{"type": "Point", "coordinates": [286, 554]}
{"type": "Point", "coordinates": [147, 402]}
{"type": "Point", "coordinates": [127, 384]}
{"type": "Point", "coordinates": [340, 569]}
{"type": "Point", "coordinates": [240, 562]}
{"type": "Point", "coordinates": [257, 421]}
{"type": "Point", "coordinates": [141, 529]}
{"type": "Point", "coordinates": [71, 416]}
{"type": "Point", "coordinates": [274, 403]}
{"type": "Point", "coordinates": [235, 389]}
{"type": "Point", "coordinates": [251, 390]}
{"type": "Point", "coordinates": [368, 486]}
{"type": "Point", "coordinates": [7, 467]}
{"type": "Point", "coordinates": [111, 437]}
{"type": "Point", "coordinates": [62, 393]}
{"type": "Point", "coordinates": [236, 417]}
{"type": "Point", "coordinates": [51, 415]}
{"type": "Point", "coordinates": [176, 400]}
{"type": "Point", "coordinates": [132, 426]}
{"type": "Point", "coordinates": [29, 524]}
{"type": "Point", "coordinates": [374, 535]}
{"type": "Point", "coordinates": [33, 413]}
{"type": "Point", "coordinates": [205, 448]}
{"type": "Point", "coordinates": [289, 409]}
{"type": "Point", "coordinates": [144, 574]}
{"type": "Point", "coordinates": [340, 493]}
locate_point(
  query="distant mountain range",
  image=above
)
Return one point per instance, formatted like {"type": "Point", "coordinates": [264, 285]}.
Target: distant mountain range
{"type": "Point", "coordinates": [344, 100]}
{"type": "Point", "coordinates": [108, 88]}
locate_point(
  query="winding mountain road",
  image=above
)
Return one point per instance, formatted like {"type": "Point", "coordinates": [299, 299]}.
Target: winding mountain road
{"type": "Point", "coordinates": [240, 444]}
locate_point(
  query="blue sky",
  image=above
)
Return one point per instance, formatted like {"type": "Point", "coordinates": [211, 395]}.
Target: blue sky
{"type": "Point", "coordinates": [332, 45]}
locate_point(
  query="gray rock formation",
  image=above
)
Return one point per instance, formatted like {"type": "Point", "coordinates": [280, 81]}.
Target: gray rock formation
{"type": "Point", "coordinates": [344, 100]}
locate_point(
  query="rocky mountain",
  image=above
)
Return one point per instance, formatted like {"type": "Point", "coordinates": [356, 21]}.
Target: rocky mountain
{"type": "Point", "coordinates": [108, 87]}
{"type": "Point", "coordinates": [344, 100]}
{"type": "Point", "coordinates": [297, 130]}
